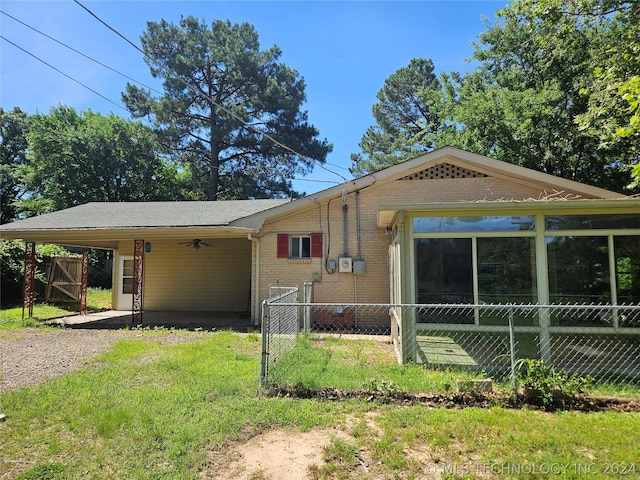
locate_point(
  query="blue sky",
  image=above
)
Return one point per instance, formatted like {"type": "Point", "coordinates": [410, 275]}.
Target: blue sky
{"type": "Point", "coordinates": [344, 51]}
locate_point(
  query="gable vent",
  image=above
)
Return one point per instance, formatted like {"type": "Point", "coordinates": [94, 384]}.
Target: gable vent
{"type": "Point", "coordinates": [444, 170]}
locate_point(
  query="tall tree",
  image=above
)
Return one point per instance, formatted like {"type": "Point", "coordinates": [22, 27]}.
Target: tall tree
{"type": "Point", "coordinates": [407, 116]}
{"type": "Point", "coordinates": [614, 96]}
{"type": "Point", "coordinates": [77, 158]}
{"type": "Point", "coordinates": [523, 101]}
{"type": "Point", "coordinates": [223, 97]}
{"type": "Point", "coordinates": [14, 126]}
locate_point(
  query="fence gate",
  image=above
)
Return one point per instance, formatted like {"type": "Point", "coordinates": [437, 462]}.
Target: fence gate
{"type": "Point", "coordinates": [280, 326]}
{"type": "Point", "coordinates": [65, 280]}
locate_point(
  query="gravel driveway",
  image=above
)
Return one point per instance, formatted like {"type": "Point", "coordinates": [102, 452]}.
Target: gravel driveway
{"type": "Point", "coordinates": [29, 356]}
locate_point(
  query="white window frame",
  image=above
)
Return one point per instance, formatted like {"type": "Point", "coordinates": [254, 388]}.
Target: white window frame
{"type": "Point", "coordinates": [296, 243]}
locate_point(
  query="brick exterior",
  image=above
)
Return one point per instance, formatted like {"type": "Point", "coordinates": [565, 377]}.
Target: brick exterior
{"type": "Point", "coordinates": [328, 217]}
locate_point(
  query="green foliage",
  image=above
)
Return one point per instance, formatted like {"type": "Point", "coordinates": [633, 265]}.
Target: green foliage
{"type": "Point", "coordinates": [44, 471]}
{"type": "Point", "coordinates": [545, 386]}
{"type": "Point", "coordinates": [556, 90]}
{"type": "Point", "coordinates": [78, 158]}
{"type": "Point", "coordinates": [14, 126]}
{"type": "Point", "coordinates": [12, 268]}
{"type": "Point", "coordinates": [385, 387]}
{"type": "Point", "coordinates": [216, 82]}
{"type": "Point", "coordinates": [407, 115]}
{"type": "Point", "coordinates": [525, 97]}
{"type": "Point", "coordinates": [614, 95]}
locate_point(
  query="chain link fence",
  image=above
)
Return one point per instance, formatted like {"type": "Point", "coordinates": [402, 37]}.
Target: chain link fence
{"type": "Point", "coordinates": [601, 341]}
{"type": "Point", "coordinates": [282, 320]}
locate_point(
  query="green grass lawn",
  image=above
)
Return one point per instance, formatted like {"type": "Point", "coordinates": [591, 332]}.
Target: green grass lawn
{"type": "Point", "coordinates": [146, 410]}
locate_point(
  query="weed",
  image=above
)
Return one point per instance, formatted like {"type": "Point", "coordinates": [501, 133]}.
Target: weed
{"type": "Point", "coordinates": [547, 387]}
{"type": "Point", "coordinates": [384, 387]}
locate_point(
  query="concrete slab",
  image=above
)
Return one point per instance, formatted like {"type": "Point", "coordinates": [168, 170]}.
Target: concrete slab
{"type": "Point", "coordinates": [113, 319]}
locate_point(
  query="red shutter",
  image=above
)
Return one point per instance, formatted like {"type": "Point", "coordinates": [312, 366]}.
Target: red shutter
{"type": "Point", "coordinates": [316, 245]}
{"type": "Point", "coordinates": [283, 245]}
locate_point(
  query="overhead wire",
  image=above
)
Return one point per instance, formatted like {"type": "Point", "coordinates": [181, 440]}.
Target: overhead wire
{"type": "Point", "coordinates": [79, 52]}
{"type": "Point", "coordinates": [63, 73]}
{"type": "Point", "coordinates": [213, 102]}
{"type": "Point", "coordinates": [245, 124]}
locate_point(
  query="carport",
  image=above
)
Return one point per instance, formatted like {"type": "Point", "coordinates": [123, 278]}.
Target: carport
{"type": "Point", "coordinates": [168, 256]}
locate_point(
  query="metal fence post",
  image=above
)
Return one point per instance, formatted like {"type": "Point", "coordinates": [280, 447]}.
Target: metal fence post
{"type": "Point", "coordinates": [512, 341]}
{"type": "Point", "coordinates": [265, 343]}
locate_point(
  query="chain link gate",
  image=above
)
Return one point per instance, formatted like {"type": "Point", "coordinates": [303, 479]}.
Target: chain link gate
{"type": "Point", "coordinates": [281, 323]}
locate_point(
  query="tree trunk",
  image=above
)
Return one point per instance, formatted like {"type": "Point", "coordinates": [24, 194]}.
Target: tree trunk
{"type": "Point", "coordinates": [214, 170]}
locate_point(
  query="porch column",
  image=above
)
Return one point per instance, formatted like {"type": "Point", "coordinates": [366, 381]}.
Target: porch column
{"type": "Point", "coordinates": [84, 280]}
{"type": "Point", "coordinates": [28, 284]}
{"type": "Point", "coordinates": [138, 279]}
{"type": "Point", "coordinates": [542, 278]}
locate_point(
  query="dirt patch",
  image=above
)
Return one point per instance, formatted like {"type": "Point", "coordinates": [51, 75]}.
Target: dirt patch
{"type": "Point", "coordinates": [30, 356]}
{"type": "Point", "coordinates": [275, 454]}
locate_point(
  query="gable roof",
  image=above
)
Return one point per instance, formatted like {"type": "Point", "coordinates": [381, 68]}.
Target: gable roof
{"type": "Point", "coordinates": [471, 164]}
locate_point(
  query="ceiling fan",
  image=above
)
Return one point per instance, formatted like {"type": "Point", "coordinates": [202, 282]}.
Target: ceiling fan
{"type": "Point", "coordinates": [195, 243]}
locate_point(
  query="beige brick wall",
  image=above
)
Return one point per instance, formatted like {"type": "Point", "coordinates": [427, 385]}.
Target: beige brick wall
{"type": "Point", "coordinates": [181, 278]}
{"type": "Point", "coordinates": [373, 286]}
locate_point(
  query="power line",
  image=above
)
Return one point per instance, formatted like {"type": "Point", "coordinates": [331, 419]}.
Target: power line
{"type": "Point", "coordinates": [221, 107]}
{"type": "Point", "coordinates": [62, 73]}
{"type": "Point", "coordinates": [80, 53]}
{"type": "Point", "coordinates": [110, 28]}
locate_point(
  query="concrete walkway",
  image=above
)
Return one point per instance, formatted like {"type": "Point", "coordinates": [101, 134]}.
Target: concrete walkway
{"type": "Point", "coordinates": [112, 319]}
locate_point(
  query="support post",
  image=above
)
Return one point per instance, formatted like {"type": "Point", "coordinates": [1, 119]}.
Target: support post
{"type": "Point", "coordinates": [512, 348]}
{"type": "Point", "coordinates": [84, 281]}
{"type": "Point", "coordinates": [29, 280]}
{"type": "Point", "coordinates": [138, 279]}
{"type": "Point", "coordinates": [264, 367]}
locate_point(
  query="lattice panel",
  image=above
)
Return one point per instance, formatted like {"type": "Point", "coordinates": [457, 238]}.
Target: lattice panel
{"type": "Point", "coordinates": [444, 170]}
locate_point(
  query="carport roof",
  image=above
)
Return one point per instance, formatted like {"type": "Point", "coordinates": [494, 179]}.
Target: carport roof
{"type": "Point", "coordinates": [123, 215]}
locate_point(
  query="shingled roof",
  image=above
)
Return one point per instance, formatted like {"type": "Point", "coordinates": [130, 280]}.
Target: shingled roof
{"type": "Point", "coordinates": [117, 215]}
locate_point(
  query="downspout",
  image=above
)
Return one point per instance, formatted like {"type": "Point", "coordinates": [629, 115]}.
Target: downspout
{"type": "Point", "coordinates": [345, 210]}
{"type": "Point", "coordinates": [256, 300]}
{"type": "Point", "coordinates": [358, 257]}
{"type": "Point", "coordinates": [358, 223]}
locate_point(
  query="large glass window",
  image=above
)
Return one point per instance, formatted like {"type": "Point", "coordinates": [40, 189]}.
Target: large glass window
{"type": "Point", "coordinates": [627, 255]}
{"type": "Point", "coordinates": [444, 272]}
{"type": "Point", "coordinates": [592, 222]}
{"type": "Point", "coordinates": [506, 270]}
{"type": "Point", "coordinates": [578, 270]}
{"type": "Point", "coordinates": [473, 224]}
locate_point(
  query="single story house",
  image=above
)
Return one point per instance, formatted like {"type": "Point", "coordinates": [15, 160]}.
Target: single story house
{"type": "Point", "coordinates": [446, 227]}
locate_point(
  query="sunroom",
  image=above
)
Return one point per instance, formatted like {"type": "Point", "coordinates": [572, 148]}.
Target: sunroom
{"type": "Point", "coordinates": [536, 265]}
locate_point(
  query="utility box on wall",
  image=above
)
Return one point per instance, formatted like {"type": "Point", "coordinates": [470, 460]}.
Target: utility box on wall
{"type": "Point", "coordinates": [358, 267]}
{"type": "Point", "coordinates": [345, 265]}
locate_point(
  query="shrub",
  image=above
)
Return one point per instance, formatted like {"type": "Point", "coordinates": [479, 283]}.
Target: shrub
{"type": "Point", "coordinates": [547, 387]}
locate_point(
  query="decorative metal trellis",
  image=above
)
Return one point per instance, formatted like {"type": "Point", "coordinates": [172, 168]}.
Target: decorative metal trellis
{"type": "Point", "coordinates": [138, 282]}
{"type": "Point", "coordinates": [28, 288]}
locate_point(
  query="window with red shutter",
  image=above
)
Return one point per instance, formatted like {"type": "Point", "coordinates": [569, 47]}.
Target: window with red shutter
{"type": "Point", "coordinates": [316, 245]}
{"type": "Point", "coordinates": [303, 246]}
{"type": "Point", "coordinates": [283, 245]}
